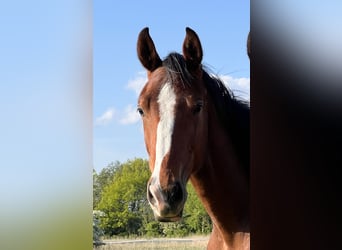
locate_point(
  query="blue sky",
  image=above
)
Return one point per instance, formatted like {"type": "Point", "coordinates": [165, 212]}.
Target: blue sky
{"type": "Point", "coordinates": [118, 75]}
{"type": "Point", "coordinates": [39, 87]}
{"type": "Point", "coordinates": [46, 122]}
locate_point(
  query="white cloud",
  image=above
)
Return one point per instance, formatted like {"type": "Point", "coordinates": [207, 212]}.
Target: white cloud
{"type": "Point", "coordinates": [240, 86]}
{"type": "Point", "coordinates": [130, 116]}
{"type": "Point", "coordinates": [105, 118]}
{"type": "Point", "coordinates": [136, 84]}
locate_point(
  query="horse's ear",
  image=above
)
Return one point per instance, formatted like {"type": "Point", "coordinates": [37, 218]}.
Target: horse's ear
{"type": "Point", "coordinates": [192, 50]}
{"type": "Point", "coordinates": [147, 52]}
{"type": "Point", "coordinates": [249, 45]}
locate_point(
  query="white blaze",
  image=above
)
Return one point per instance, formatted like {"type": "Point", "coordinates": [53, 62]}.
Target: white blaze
{"type": "Point", "coordinates": [167, 102]}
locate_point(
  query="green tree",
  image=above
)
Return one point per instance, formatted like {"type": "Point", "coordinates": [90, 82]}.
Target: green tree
{"type": "Point", "coordinates": [120, 193]}
{"type": "Point", "coordinates": [175, 229]}
{"type": "Point", "coordinates": [152, 228]}
{"type": "Point", "coordinates": [124, 199]}
{"type": "Point", "coordinates": [196, 217]}
{"type": "Point", "coordinates": [104, 178]}
{"type": "Point", "coordinates": [97, 231]}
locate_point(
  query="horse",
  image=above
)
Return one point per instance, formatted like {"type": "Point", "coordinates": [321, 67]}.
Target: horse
{"type": "Point", "coordinates": [195, 129]}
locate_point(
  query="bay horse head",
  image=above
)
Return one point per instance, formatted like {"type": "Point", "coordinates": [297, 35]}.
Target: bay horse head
{"type": "Point", "coordinates": [172, 105]}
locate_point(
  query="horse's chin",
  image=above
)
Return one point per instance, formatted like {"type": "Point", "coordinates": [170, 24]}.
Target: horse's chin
{"type": "Point", "coordinates": [169, 219]}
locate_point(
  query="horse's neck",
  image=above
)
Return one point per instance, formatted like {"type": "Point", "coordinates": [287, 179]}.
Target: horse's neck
{"type": "Point", "coordinates": [223, 189]}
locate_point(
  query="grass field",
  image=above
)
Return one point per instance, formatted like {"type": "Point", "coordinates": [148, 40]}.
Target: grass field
{"type": "Point", "coordinates": [193, 243]}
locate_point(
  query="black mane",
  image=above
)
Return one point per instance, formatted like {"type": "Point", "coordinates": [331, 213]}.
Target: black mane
{"type": "Point", "coordinates": [176, 67]}
{"type": "Point", "coordinates": [233, 113]}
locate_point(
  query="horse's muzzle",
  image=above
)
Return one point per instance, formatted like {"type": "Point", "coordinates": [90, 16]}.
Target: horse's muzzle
{"type": "Point", "coordinates": [167, 204]}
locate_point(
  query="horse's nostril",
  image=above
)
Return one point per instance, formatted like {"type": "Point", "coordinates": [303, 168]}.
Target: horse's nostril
{"type": "Point", "coordinates": [172, 196]}
{"type": "Point", "coordinates": [176, 193]}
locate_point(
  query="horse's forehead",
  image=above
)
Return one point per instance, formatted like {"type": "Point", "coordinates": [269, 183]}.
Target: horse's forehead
{"type": "Point", "coordinates": [158, 79]}
{"type": "Point", "coordinates": [152, 89]}
{"type": "Point", "coordinates": [155, 81]}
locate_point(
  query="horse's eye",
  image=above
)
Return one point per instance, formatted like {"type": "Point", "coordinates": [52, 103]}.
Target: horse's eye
{"type": "Point", "coordinates": [198, 107]}
{"type": "Point", "coordinates": [140, 111]}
